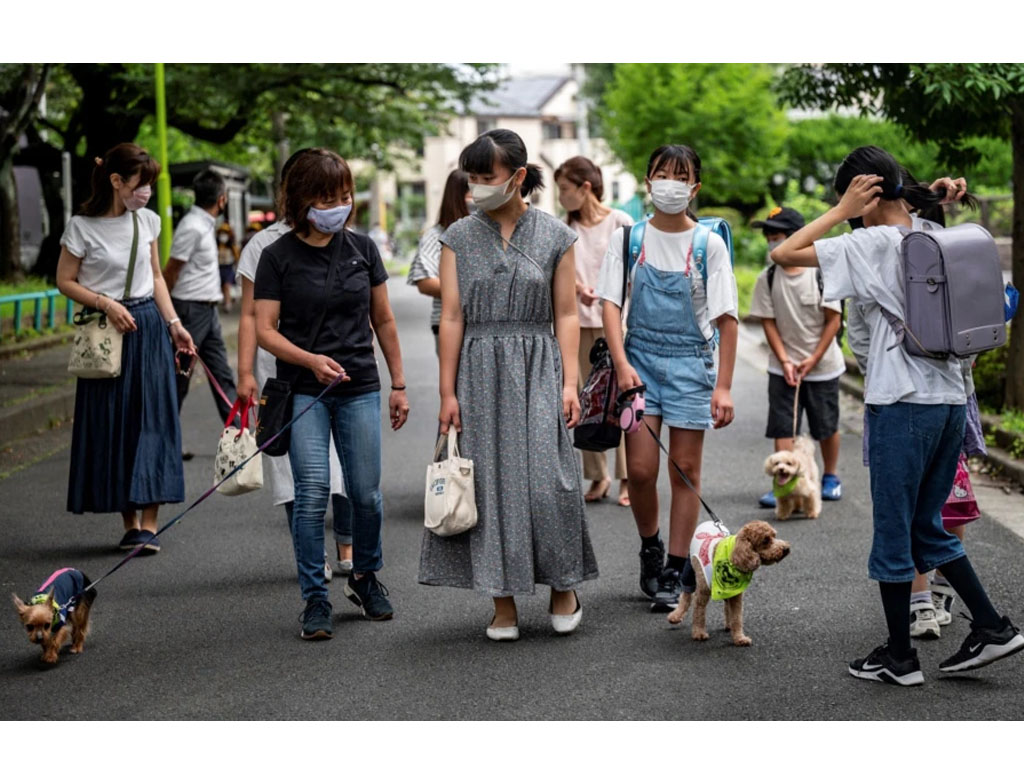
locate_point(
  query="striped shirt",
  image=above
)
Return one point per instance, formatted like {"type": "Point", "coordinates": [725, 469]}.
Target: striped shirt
{"type": "Point", "coordinates": [427, 264]}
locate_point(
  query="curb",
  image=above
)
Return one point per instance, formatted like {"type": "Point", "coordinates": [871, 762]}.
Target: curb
{"type": "Point", "coordinates": [9, 350]}
{"type": "Point", "coordinates": [38, 413]}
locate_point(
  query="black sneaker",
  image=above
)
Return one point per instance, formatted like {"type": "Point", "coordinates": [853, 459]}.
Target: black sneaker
{"type": "Point", "coordinates": [666, 598]}
{"type": "Point", "coordinates": [983, 646]}
{"type": "Point", "coordinates": [316, 620]}
{"type": "Point", "coordinates": [370, 595]}
{"type": "Point", "coordinates": [652, 563]}
{"type": "Point", "coordinates": [881, 666]}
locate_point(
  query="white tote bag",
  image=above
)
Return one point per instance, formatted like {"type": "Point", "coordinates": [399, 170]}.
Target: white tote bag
{"type": "Point", "coordinates": [449, 505]}
{"type": "Point", "coordinates": [234, 447]}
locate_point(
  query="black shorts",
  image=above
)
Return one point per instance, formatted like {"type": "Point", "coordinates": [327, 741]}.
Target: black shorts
{"type": "Point", "coordinates": [818, 399]}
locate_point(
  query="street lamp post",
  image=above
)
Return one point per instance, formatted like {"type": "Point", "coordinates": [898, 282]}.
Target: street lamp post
{"type": "Point", "coordinates": [163, 182]}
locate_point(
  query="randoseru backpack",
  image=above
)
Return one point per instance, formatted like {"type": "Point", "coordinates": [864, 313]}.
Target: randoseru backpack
{"type": "Point", "coordinates": [705, 226]}
{"type": "Point", "coordinates": [821, 292]}
{"type": "Point", "coordinates": [955, 298]}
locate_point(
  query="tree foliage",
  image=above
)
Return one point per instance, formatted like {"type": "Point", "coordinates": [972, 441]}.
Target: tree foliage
{"type": "Point", "coordinates": [948, 104]}
{"type": "Point", "coordinates": [726, 112]}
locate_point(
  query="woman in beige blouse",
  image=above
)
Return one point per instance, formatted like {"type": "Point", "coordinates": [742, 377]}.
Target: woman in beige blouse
{"type": "Point", "coordinates": [580, 189]}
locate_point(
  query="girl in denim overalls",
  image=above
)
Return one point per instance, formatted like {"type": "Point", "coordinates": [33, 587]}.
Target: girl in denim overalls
{"type": "Point", "coordinates": [669, 348]}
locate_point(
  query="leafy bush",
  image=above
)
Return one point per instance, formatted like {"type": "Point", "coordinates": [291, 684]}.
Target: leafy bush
{"type": "Point", "coordinates": [990, 377]}
{"type": "Point", "coordinates": [746, 276]}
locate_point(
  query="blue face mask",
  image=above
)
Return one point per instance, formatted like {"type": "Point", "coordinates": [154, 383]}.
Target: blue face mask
{"type": "Point", "coordinates": [329, 220]}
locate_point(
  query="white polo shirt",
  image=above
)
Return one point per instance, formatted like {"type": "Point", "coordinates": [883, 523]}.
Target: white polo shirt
{"type": "Point", "coordinates": [196, 244]}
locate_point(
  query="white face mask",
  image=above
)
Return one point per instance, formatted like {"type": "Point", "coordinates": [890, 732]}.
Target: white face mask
{"type": "Point", "coordinates": [671, 196]}
{"type": "Point", "coordinates": [488, 197]}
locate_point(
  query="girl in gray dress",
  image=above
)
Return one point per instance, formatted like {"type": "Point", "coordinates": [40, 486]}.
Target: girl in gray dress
{"type": "Point", "coordinates": [508, 386]}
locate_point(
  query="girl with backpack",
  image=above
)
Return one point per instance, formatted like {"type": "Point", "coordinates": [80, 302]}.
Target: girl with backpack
{"type": "Point", "coordinates": [916, 418]}
{"type": "Point", "coordinates": [669, 349]}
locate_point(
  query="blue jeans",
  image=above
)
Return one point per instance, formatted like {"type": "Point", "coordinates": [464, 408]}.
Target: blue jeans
{"type": "Point", "coordinates": [354, 423]}
{"type": "Point", "coordinates": [912, 452]}
{"type": "Point", "coordinates": [341, 517]}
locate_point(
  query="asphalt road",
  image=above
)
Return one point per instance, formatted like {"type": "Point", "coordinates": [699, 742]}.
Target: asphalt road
{"type": "Point", "coordinates": [208, 629]}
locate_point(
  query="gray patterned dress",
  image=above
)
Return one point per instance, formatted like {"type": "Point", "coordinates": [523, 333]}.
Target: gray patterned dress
{"type": "Point", "coordinates": [531, 527]}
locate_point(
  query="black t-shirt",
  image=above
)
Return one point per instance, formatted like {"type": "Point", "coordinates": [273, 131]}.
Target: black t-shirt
{"type": "Point", "coordinates": [296, 274]}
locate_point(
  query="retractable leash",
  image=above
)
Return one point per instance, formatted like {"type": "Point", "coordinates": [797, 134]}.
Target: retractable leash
{"type": "Point", "coordinates": [714, 518]}
{"type": "Point", "coordinates": [187, 373]}
{"type": "Point", "coordinates": [174, 520]}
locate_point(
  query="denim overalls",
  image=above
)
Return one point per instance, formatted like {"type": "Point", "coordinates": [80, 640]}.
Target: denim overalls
{"type": "Point", "coordinates": [665, 345]}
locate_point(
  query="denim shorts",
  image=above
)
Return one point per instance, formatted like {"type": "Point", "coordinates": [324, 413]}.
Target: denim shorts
{"type": "Point", "coordinates": [913, 454]}
{"type": "Point", "coordinates": [679, 382]}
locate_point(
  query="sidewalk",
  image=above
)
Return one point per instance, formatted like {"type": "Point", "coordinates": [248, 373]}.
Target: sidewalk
{"type": "Point", "coordinates": [37, 399]}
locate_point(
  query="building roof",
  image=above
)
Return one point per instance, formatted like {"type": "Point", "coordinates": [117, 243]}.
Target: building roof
{"type": "Point", "coordinates": [518, 97]}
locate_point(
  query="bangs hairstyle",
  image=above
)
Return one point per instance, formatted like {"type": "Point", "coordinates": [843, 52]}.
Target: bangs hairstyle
{"type": "Point", "coordinates": [453, 203]}
{"type": "Point", "coordinates": [675, 158]}
{"type": "Point", "coordinates": [125, 160]}
{"type": "Point", "coordinates": [579, 170]}
{"type": "Point", "coordinates": [317, 174]}
{"type": "Point", "coordinates": [875, 161]}
{"type": "Point", "coordinates": [507, 149]}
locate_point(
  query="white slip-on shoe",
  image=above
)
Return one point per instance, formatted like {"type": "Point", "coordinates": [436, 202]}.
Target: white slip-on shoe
{"type": "Point", "coordinates": [503, 633]}
{"type": "Point", "coordinates": [565, 624]}
{"type": "Point", "coordinates": [923, 622]}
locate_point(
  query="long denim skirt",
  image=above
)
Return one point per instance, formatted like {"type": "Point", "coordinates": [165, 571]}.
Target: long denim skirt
{"type": "Point", "coordinates": [126, 445]}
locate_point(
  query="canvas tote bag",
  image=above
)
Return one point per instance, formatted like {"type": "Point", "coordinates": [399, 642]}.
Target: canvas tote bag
{"type": "Point", "coordinates": [449, 506]}
{"type": "Point", "coordinates": [234, 447]}
{"type": "Point", "coordinates": [96, 348]}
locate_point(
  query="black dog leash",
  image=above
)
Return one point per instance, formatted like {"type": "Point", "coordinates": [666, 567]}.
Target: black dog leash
{"type": "Point", "coordinates": [73, 600]}
{"type": "Point", "coordinates": [717, 521]}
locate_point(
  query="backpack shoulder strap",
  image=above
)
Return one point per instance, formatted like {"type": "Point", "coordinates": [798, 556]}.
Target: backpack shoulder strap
{"type": "Point", "coordinates": [700, 250]}
{"type": "Point", "coordinates": [770, 276]}
{"type": "Point", "coordinates": [821, 282]}
{"type": "Point", "coordinates": [632, 243]}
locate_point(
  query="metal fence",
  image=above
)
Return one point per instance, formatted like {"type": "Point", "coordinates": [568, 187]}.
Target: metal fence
{"type": "Point", "coordinates": [44, 308]}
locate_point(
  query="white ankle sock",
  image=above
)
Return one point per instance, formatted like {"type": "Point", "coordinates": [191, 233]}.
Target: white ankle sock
{"type": "Point", "coordinates": [924, 598]}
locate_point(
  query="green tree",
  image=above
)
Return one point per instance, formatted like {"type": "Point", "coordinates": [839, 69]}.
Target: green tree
{"type": "Point", "coordinates": [949, 104]}
{"type": "Point", "coordinates": [361, 110]}
{"type": "Point", "coordinates": [816, 147]}
{"type": "Point", "coordinates": [726, 112]}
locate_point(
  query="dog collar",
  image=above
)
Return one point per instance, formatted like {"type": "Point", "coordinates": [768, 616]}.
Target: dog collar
{"type": "Point", "coordinates": [43, 599]}
{"type": "Point", "coordinates": [781, 491]}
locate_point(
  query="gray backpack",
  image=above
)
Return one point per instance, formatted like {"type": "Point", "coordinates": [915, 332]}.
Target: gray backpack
{"type": "Point", "coordinates": [953, 284]}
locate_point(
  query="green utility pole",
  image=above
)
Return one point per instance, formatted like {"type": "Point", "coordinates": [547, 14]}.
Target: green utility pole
{"type": "Point", "coordinates": [163, 182]}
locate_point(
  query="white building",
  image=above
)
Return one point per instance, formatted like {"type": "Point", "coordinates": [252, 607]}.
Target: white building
{"type": "Point", "coordinates": [543, 111]}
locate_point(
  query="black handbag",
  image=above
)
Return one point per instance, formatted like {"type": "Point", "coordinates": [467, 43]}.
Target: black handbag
{"type": "Point", "coordinates": [277, 395]}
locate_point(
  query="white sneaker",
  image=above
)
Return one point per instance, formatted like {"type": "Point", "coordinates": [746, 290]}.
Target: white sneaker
{"type": "Point", "coordinates": [328, 573]}
{"type": "Point", "coordinates": [344, 567]}
{"type": "Point", "coordinates": [923, 623]}
{"type": "Point", "coordinates": [943, 597]}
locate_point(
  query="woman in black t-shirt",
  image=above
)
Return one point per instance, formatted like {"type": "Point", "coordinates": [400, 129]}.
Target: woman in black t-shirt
{"type": "Point", "coordinates": [320, 297]}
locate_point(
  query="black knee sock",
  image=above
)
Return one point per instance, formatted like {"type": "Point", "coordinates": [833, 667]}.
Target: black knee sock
{"type": "Point", "coordinates": [896, 604]}
{"type": "Point", "coordinates": [650, 541]}
{"type": "Point", "coordinates": [677, 562]}
{"type": "Point", "coordinates": [962, 578]}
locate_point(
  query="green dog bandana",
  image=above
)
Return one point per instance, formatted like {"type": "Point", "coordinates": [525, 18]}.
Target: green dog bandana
{"type": "Point", "coordinates": [727, 580]}
{"type": "Point", "coordinates": [781, 491]}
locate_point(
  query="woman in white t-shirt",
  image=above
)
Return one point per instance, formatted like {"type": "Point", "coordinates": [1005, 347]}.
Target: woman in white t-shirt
{"type": "Point", "coordinates": [580, 189]}
{"type": "Point", "coordinates": [915, 415]}
{"type": "Point", "coordinates": [669, 349]}
{"type": "Point", "coordinates": [126, 444]}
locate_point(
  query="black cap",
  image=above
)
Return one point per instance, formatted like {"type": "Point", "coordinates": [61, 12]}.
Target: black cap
{"type": "Point", "coordinates": [781, 220]}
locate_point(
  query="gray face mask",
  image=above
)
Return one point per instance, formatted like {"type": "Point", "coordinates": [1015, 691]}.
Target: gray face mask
{"type": "Point", "coordinates": [329, 220]}
{"type": "Point", "coordinates": [489, 197]}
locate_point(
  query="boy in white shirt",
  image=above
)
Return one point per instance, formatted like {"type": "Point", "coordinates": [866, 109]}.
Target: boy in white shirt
{"type": "Point", "coordinates": [801, 329]}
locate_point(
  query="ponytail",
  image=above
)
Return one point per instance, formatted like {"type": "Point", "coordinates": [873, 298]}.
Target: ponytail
{"type": "Point", "coordinates": [125, 160]}
{"type": "Point", "coordinates": [534, 180]}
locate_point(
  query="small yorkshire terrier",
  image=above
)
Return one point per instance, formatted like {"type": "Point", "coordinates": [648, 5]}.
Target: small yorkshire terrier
{"type": "Point", "coordinates": [48, 623]}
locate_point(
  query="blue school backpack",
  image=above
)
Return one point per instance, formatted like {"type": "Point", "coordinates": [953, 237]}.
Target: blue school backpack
{"type": "Point", "coordinates": [705, 226]}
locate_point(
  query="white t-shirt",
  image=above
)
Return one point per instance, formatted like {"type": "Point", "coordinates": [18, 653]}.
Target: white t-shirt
{"type": "Point", "coordinates": [797, 306]}
{"type": "Point", "coordinates": [196, 244]}
{"type": "Point", "coordinates": [866, 265]}
{"type": "Point", "coordinates": [104, 243]}
{"type": "Point", "coordinates": [250, 259]}
{"type": "Point", "coordinates": [667, 251]}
